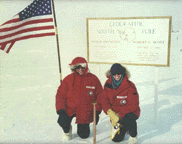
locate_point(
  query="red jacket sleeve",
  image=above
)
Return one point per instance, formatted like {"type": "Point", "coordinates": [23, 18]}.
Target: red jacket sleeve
{"type": "Point", "coordinates": [99, 91]}
{"type": "Point", "coordinates": [61, 96]}
{"type": "Point", "coordinates": [104, 101]}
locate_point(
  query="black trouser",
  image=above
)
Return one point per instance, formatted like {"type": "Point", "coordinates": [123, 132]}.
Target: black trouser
{"type": "Point", "coordinates": [83, 130]}
{"type": "Point", "coordinates": [128, 123]}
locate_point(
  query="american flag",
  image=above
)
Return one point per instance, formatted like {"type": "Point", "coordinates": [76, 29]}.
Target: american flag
{"type": "Point", "coordinates": [35, 20]}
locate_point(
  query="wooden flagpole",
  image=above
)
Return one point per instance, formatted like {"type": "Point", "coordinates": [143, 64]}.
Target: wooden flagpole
{"type": "Point", "coordinates": [94, 123]}
{"type": "Point", "coordinates": [57, 39]}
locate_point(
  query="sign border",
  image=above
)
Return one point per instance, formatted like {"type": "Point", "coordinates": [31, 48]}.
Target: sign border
{"type": "Point", "coordinates": [117, 18]}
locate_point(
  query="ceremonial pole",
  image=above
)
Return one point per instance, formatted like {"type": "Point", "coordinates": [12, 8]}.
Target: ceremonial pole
{"type": "Point", "coordinates": [57, 39]}
{"type": "Point", "coordinates": [94, 123]}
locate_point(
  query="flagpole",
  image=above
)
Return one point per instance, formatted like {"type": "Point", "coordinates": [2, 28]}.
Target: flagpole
{"type": "Point", "coordinates": [58, 51]}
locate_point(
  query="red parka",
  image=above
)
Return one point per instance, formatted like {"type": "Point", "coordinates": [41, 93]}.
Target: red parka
{"type": "Point", "coordinates": [76, 95]}
{"type": "Point", "coordinates": [123, 100]}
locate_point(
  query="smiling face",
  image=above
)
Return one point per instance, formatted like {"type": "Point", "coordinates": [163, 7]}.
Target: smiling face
{"type": "Point", "coordinates": [117, 77]}
{"type": "Point", "coordinates": [80, 70]}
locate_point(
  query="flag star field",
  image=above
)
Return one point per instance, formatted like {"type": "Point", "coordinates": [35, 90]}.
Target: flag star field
{"type": "Point", "coordinates": [36, 8]}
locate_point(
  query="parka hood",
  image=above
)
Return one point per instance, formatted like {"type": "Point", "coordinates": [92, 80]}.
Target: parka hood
{"type": "Point", "coordinates": [79, 61]}
{"type": "Point", "coordinates": [108, 73]}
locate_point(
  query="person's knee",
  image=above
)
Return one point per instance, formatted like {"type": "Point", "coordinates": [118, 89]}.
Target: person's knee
{"type": "Point", "coordinates": [66, 129]}
{"type": "Point", "coordinates": [133, 133]}
{"type": "Point", "coordinates": [129, 120]}
{"type": "Point", "coordinates": [133, 129]}
{"type": "Point", "coordinates": [62, 121]}
{"type": "Point", "coordinates": [65, 122]}
{"type": "Point", "coordinates": [83, 130]}
{"type": "Point", "coordinates": [131, 116]}
{"type": "Point", "coordinates": [118, 138]}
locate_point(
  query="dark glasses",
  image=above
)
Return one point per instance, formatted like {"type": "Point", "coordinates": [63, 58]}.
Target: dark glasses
{"type": "Point", "coordinates": [79, 66]}
{"type": "Point", "coordinates": [116, 73]}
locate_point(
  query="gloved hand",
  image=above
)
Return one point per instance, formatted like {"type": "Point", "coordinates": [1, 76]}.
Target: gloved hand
{"type": "Point", "coordinates": [97, 117]}
{"type": "Point", "coordinates": [63, 118]}
{"type": "Point", "coordinates": [113, 116]}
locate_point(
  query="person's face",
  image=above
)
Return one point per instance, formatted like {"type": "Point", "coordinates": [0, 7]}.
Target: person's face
{"type": "Point", "coordinates": [117, 77]}
{"type": "Point", "coordinates": [80, 70]}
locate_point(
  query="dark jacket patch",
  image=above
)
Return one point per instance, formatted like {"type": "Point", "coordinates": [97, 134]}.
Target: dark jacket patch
{"type": "Point", "coordinates": [109, 86]}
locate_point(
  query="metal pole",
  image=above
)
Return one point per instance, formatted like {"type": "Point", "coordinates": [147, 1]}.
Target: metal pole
{"type": "Point", "coordinates": [156, 95]}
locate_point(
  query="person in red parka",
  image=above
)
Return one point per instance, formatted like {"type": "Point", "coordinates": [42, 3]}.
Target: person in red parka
{"type": "Point", "coordinates": [121, 102]}
{"type": "Point", "coordinates": [75, 97]}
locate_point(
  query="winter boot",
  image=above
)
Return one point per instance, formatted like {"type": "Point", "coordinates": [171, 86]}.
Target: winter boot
{"type": "Point", "coordinates": [132, 140]}
{"type": "Point", "coordinates": [67, 136]}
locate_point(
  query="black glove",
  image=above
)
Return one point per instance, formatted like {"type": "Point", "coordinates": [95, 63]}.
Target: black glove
{"type": "Point", "coordinates": [63, 118]}
{"type": "Point", "coordinates": [97, 117]}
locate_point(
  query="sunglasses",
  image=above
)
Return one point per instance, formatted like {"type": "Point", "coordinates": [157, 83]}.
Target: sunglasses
{"type": "Point", "coordinates": [79, 66]}
{"type": "Point", "coordinates": [117, 73]}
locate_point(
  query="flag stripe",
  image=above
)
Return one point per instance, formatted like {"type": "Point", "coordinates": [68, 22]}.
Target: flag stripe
{"type": "Point", "coordinates": [11, 21]}
{"type": "Point", "coordinates": [25, 34]}
{"type": "Point", "coordinates": [17, 21]}
{"type": "Point", "coordinates": [2, 46]}
{"type": "Point", "coordinates": [26, 30]}
{"type": "Point", "coordinates": [26, 27]}
{"type": "Point", "coordinates": [8, 47]}
{"type": "Point", "coordinates": [34, 36]}
{"type": "Point", "coordinates": [27, 23]}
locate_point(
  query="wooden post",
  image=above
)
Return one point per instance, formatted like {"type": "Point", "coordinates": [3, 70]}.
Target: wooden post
{"type": "Point", "coordinates": [94, 123]}
{"type": "Point", "coordinates": [57, 39]}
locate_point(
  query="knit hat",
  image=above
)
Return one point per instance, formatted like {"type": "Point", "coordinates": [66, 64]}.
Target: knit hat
{"type": "Point", "coordinates": [117, 69]}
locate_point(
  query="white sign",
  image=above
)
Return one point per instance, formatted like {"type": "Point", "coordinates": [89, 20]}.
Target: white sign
{"type": "Point", "coordinates": [136, 41]}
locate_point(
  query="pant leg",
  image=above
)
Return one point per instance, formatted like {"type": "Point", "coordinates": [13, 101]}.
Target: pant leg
{"type": "Point", "coordinates": [65, 123]}
{"type": "Point", "coordinates": [83, 130]}
{"type": "Point", "coordinates": [133, 129]}
{"type": "Point", "coordinates": [129, 122]}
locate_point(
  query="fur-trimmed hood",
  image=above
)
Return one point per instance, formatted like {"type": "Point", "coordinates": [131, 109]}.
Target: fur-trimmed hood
{"type": "Point", "coordinates": [79, 61]}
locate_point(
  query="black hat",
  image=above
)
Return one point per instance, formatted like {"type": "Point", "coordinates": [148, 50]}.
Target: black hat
{"type": "Point", "coordinates": [117, 69]}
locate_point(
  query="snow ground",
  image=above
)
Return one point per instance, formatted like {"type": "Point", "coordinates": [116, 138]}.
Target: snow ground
{"type": "Point", "coordinates": [32, 119]}
{"type": "Point", "coordinates": [28, 83]}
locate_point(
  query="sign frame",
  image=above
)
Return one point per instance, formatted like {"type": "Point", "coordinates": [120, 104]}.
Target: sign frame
{"type": "Point", "coordinates": [98, 34]}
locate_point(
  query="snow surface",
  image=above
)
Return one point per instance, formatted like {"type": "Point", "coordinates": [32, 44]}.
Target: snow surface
{"type": "Point", "coordinates": [25, 121]}
{"type": "Point", "coordinates": [27, 105]}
